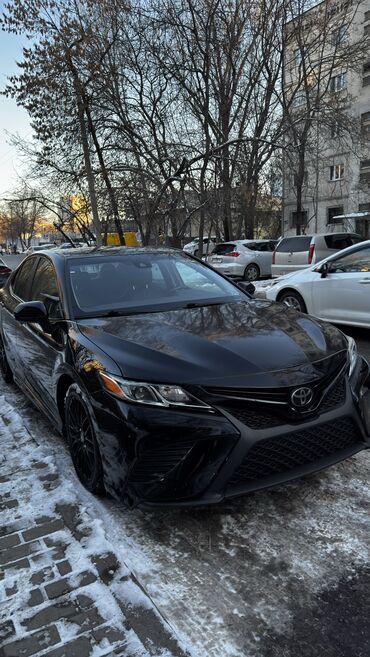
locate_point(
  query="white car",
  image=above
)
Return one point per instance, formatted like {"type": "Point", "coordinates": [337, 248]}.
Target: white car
{"type": "Point", "coordinates": [40, 247]}
{"type": "Point", "coordinates": [337, 289]}
{"type": "Point", "coordinates": [209, 244]}
{"type": "Point", "coordinates": [246, 259]}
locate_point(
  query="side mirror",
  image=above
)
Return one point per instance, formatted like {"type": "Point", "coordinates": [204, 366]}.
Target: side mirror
{"type": "Point", "coordinates": [324, 270]}
{"type": "Point", "coordinates": [247, 287]}
{"type": "Point", "coordinates": [31, 311]}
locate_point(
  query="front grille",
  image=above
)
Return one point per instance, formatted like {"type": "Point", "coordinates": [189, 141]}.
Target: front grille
{"type": "Point", "coordinates": [156, 463]}
{"type": "Point", "coordinates": [285, 453]}
{"type": "Point", "coordinates": [336, 396]}
{"type": "Point", "coordinates": [254, 418]}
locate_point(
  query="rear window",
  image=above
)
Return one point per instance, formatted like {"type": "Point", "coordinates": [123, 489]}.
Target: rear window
{"type": "Point", "coordinates": [294, 244]}
{"type": "Point", "coordinates": [221, 249]}
{"type": "Point", "coordinates": [338, 242]}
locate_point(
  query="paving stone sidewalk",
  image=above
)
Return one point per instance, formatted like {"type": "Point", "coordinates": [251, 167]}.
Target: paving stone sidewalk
{"type": "Point", "coordinates": [64, 592]}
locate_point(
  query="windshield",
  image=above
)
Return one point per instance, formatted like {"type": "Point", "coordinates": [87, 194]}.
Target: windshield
{"type": "Point", "coordinates": [144, 283]}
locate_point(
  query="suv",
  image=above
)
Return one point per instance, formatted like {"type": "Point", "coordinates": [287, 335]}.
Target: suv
{"type": "Point", "coordinates": [301, 251]}
{"type": "Point", "coordinates": [193, 247]}
{"type": "Point", "coordinates": [247, 259]}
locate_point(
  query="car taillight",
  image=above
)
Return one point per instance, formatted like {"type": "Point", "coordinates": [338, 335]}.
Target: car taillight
{"type": "Point", "coordinates": [233, 254]}
{"type": "Point", "coordinates": [310, 253]}
{"type": "Point", "coordinates": [5, 270]}
{"type": "Point", "coordinates": [273, 257]}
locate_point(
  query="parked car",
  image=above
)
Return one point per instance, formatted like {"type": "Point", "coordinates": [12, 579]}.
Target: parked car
{"type": "Point", "coordinates": [336, 289]}
{"type": "Point", "coordinates": [172, 385]}
{"type": "Point", "coordinates": [209, 244]}
{"type": "Point", "coordinates": [40, 247]}
{"type": "Point", "coordinates": [5, 272]}
{"type": "Point", "coordinates": [301, 251]}
{"type": "Point", "coordinates": [246, 259]}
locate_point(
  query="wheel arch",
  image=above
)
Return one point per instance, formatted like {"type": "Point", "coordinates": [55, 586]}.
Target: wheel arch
{"type": "Point", "coordinates": [65, 381]}
{"type": "Point", "coordinates": [291, 289]}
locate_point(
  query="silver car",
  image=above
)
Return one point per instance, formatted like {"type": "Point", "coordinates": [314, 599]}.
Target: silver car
{"type": "Point", "coordinates": [246, 259]}
{"type": "Point", "coordinates": [193, 247]}
{"type": "Point", "coordinates": [302, 251]}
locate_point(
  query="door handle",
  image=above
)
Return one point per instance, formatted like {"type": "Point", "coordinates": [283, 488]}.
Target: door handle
{"type": "Point", "coordinates": [365, 281]}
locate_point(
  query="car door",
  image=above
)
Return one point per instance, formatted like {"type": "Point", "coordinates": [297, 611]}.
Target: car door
{"type": "Point", "coordinates": [40, 350]}
{"type": "Point", "coordinates": [16, 291]}
{"type": "Point", "coordinates": [344, 294]}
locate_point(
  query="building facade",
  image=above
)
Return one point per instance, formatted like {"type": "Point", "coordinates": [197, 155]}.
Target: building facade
{"type": "Point", "coordinates": [327, 84]}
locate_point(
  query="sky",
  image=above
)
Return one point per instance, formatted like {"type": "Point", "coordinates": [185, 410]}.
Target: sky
{"type": "Point", "coordinates": [13, 119]}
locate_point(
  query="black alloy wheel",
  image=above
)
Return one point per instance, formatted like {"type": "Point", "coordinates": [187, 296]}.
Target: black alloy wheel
{"type": "Point", "coordinates": [6, 372]}
{"type": "Point", "coordinates": [294, 300]}
{"type": "Point", "coordinates": [82, 442]}
{"type": "Point", "coordinates": [251, 273]}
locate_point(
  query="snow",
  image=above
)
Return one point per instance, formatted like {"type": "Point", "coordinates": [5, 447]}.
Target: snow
{"type": "Point", "coordinates": [223, 578]}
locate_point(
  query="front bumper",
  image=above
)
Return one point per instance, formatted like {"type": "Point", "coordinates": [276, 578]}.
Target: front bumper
{"type": "Point", "coordinates": [182, 458]}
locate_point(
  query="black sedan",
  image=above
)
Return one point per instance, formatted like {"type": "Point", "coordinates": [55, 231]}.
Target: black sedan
{"type": "Point", "coordinates": [172, 385]}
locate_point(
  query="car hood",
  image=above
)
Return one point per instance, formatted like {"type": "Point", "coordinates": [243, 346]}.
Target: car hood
{"type": "Point", "coordinates": [254, 343]}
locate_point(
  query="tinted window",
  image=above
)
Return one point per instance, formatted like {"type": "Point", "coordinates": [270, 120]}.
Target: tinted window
{"type": "Point", "coordinates": [20, 285]}
{"type": "Point", "coordinates": [221, 249]}
{"type": "Point", "coordinates": [294, 244]}
{"type": "Point", "coordinates": [45, 288]}
{"type": "Point", "coordinates": [339, 242]}
{"type": "Point", "coordinates": [358, 261]}
{"type": "Point", "coordinates": [140, 282]}
{"type": "Point", "coordinates": [259, 246]}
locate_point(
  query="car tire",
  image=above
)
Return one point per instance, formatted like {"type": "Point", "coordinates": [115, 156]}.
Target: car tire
{"type": "Point", "coordinates": [6, 371]}
{"type": "Point", "coordinates": [82, 442]}
{"type": "Point", "coordinates": [293, 300]}
{"type": "Point", "coordinates": [251, 273]}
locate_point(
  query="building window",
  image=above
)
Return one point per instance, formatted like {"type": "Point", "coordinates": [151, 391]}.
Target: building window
{"type": "Point", "coordinates": [338, 82]}
{"type": "Point", "coordinates": [339, 36]}
{"type": "Point", "coordinates": [335, 212]}
{"type": "Point", "coordinates": [337, 172]}
{"type": "Point", "coordinates": [365, 125]}
{"type": "Point", "coordinates": [295, 179]}
{"type": "Point", "coordinates": [293, 219]}
{"type": "Point", "coordinates": [335, 130]}
{"type": "Point", "coordinates": [366, 74]}
{"type": "Point", "coordinates": [365, 171]}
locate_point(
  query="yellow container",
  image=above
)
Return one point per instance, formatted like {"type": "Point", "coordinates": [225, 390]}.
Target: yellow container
{"type": "Point", "coordinates": [130, 239]}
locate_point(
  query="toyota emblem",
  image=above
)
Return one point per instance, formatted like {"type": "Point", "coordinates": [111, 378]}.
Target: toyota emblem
{"type": "Point", "coordinates": [301, 397]}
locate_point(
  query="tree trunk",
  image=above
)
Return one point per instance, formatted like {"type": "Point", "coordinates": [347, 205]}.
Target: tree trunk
{"type": "Point", "coordinates": [105, 175]}
{"type": "Point", "coordinates": [88, 168]}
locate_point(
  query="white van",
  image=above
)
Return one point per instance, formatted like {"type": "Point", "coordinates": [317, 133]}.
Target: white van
{"type": "Point", "coordinates": [301, 251]}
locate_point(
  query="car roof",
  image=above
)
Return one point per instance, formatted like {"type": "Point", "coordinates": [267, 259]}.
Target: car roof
{"type": "Point", "coordinates": [106, 251]}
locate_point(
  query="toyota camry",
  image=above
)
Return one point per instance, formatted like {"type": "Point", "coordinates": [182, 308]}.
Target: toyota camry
{"type": "Point", "coordinates": [170, 383]}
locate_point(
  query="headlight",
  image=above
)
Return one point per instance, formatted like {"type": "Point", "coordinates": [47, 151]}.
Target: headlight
{"type": "Point", "coordinates": [149, 393]}
{"type": "Point", "coordinates": [268, 283]}
{"type": "Point", "coordinates": [352, 355]}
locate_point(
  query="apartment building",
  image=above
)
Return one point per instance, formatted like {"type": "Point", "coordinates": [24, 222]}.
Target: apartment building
{"type": "Point", "coordinates": [327, 84]}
